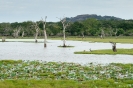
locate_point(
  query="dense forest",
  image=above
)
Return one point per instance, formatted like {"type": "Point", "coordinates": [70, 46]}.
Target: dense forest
{"type": "Point", "coordinates": [87, 27]}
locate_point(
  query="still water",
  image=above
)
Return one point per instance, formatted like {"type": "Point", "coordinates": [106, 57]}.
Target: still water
{"type": "Point", "coordinates": [29, 50]}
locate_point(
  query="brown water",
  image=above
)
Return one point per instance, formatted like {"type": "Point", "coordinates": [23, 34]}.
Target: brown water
{"type": "Point", "coordinates": [35, 51]}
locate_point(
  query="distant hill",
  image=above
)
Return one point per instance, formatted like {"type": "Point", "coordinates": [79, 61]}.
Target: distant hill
{"type": "Point", "coordinates": [87, 16]}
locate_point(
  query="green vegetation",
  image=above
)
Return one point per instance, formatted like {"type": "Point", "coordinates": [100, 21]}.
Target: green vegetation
{"type": "Point", "coordinates": [41, 74]}
{"type": "Point", "coordinates": [109, 83]}
{"type": "Point", "coordinates": [122, 39]}
{"type": "Point", "coordinates": [107, 51]}
{"type": "Point", "coordinates": [6, 62]}
{"type": "Point", "coordinates": [88, 27]}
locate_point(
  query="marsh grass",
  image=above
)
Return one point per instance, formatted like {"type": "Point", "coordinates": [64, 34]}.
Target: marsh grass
{"type": "Point", "coordinates": [107, 51]}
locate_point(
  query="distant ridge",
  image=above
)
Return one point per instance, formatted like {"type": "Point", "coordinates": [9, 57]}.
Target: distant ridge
{"type": "Point", "coordinates": [87, 16]}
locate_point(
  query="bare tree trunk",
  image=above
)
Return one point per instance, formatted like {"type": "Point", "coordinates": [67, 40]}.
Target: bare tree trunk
{"type": "Point", "coordinates": [63, 21]}
{"type": "Point", "coordinates": [3, 39]}
{"type": "Point", "coordinates": [6, 29]}
{"type": "Point", "coordinates": [114, 46]}
{"type": "Point", "coordinates": [102, 34]}
{"type": "Point", "coordinates": [22, 34]}
{"type": "Point", "coordinates": [16, 32]}
{"type": "Point", "coordinates": [37, 30]}
{"type": "Point", "coordinates": [45, 38]}
{"type": "Point", "coordinates": [36, 37]}
{"type": "Point", "coordinates": [110, 32]}
{"type": "Point", "coordinates": [83, 36]}
{"type": "Point", "coordinates": [64, 38]}
{"type": "Point", "coordinates": [116, 33]}
{"type": "Point", "coordinates": [64, 35]}
{"type": "Point", "coordinates": [45, 34]}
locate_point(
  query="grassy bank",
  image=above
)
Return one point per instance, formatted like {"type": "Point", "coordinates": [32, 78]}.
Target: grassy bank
{"type": "Point", "coordinates": [41, 74]}
{"type": "Point", "coordinates": [121, 39]}
{"type": "Point", "coordinates": [109, 83]}
{"type": "Point", "coordinates": [107, 51]}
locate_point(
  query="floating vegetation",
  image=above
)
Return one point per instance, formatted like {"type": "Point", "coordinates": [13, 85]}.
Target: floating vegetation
{"type": "Point", "coordinates": [64, 71]}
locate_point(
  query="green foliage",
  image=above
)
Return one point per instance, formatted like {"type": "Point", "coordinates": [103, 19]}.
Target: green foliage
{"type": "Point", "coordinates": [88, 27]}
{"type": "Point", "coordinates": [120, 32]}
{"type": "Point", "coordinates": [76, 28]}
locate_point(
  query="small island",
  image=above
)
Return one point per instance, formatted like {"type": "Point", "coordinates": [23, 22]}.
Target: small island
{"type": "Point", "coordinates": [66, 46]}
{"type": "Point", "coordinates": [106, 51]}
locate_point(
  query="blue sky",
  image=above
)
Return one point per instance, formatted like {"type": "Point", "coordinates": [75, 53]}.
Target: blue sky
{"type": "Point", "coordinates": [33, 10]}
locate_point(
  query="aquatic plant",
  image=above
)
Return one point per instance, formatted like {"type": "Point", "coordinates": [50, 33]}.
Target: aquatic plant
{"type": "Point", "coordinates": [61, 70]}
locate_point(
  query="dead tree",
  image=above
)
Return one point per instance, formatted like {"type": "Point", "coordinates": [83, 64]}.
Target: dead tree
{"type": "Point", "coordinates": [37, 30]}
{"type": "Point", "coordinates": [16, 32]}
{"type": "Point", "coordinates": [116, 33]}
{"type": "Point", "coordinates": [114, 46]}
{"type": "Point", "coordinates": [102, 34]}
{"type": "Point", "coordinates": [45, 34]}
{"type": "Point", "coordinates": [110, 32]}
{"type": "Point", "coordinates": [3, 39]}
{"type": "Point", "coordinates": [6, 29]}
{"type": "Point", "coordinates": [65, 24]}
{"type": "Point", "coordinates": [82, 35]}
{"type": "Point", "coordinates": [22, 34]}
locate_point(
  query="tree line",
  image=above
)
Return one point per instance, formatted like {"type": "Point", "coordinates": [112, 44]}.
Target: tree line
{"type": "Point", "coordinates": [88, 27]}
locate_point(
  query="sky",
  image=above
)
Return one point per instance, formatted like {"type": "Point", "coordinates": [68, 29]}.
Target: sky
{"type": "Point", "coordinates": [34, 10]}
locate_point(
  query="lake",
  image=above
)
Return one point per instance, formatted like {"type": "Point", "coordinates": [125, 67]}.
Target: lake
{"type": "Point", "coordinates": [26, 49]}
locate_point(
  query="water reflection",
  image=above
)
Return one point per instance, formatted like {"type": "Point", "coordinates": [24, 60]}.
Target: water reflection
{"type": "Point", "coordinates": [36, 51]}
